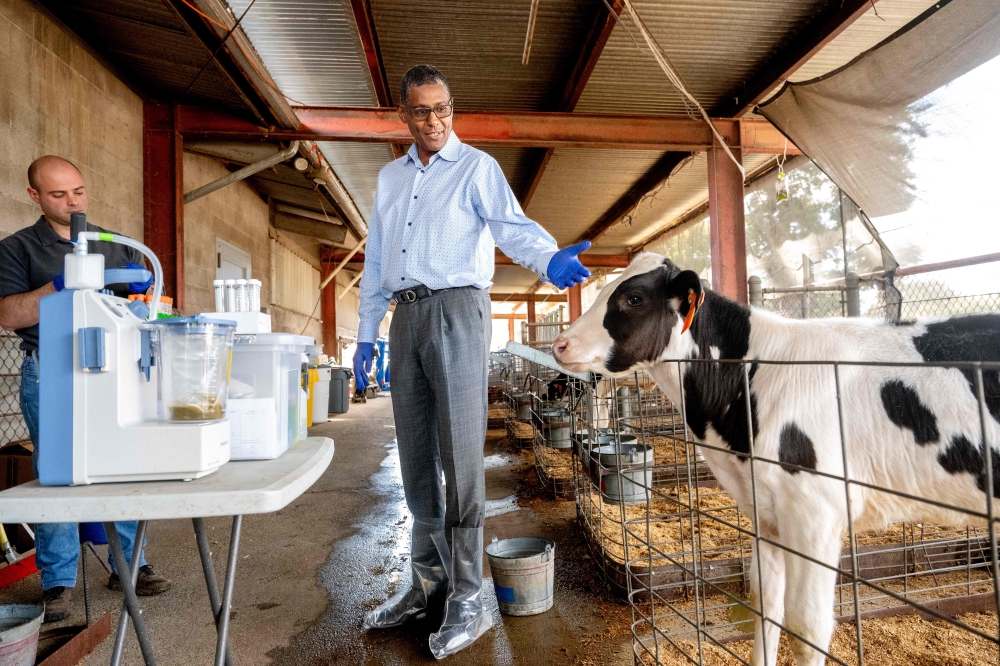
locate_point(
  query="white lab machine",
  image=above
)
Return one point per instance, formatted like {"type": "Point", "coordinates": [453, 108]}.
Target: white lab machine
{"type": "Point", "coordinates": [104, 416]}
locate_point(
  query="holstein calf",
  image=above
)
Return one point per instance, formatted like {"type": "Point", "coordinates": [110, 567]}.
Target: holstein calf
{"type": "Point", "coordinates": [910, 429]}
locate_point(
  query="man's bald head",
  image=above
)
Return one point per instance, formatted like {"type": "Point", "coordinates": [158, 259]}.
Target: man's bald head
{"type": "Point", "coordinates": [45, 164]}
{"type": "Point", "coordinates": [55, 184]}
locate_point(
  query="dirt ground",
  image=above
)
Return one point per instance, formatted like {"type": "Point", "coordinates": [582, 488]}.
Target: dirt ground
{"type": "Point", "coordinates": [309, 573]}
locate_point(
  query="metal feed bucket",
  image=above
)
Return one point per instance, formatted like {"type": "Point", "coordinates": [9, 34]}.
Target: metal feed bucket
{"type": "Point", "coordinates": [522, 405]}
{"type": "Point", "coordinates": [604, 441]}
{"type": "Point", "coordinates": [523, 574]}
{"type": "Point", "coordinates": [625, 486]}
{"type": "Point", "coordinates": [555, 428]}
{"type": "Point", "coordinates": [19, 626]}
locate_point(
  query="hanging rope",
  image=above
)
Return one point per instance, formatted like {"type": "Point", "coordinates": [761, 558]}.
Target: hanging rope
{"type": "Point", "coordinates": [675, 80]}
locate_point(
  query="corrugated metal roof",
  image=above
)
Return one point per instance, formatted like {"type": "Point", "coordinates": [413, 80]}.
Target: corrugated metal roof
{"type": "Point", "coordinates": [684, 191]}
{"type": "Point", "coordinates": [580, 184]}
{"type": "Point", "coordinates": [879, 22]}
{"type": "Point", "coordinates": [312, 50]}
{"type": "Point", "coordinates": [150, 46]}
{"type": "Point", "coordinates": [714, 45]}
{"type": "Point", "coordinates": [478, 46]}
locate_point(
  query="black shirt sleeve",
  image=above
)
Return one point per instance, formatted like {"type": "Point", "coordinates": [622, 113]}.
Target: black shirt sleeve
{"type": "Point", "coordinates": [14, 268]}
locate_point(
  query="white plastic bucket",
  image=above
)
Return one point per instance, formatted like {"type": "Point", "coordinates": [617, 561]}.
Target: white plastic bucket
{"type": "Point", "coordinates": [523, 571]}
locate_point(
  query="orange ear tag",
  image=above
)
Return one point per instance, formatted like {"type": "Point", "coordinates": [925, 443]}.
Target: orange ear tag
{"type": "Point", "coordinates": [701, 300]}
{"type": "Point", "coordinates": [692, 307]}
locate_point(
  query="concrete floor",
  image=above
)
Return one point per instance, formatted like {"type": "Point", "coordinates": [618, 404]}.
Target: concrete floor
{"type": "Point", "coordinates": [309, 573]}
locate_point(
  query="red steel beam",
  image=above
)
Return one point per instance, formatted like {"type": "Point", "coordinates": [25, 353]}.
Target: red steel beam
{"type": "Point", "coordinates": [163, 194]}
{"type": "Point", "coordinates": [593, 46]}
{"type": "Point", "coordinates": [328, 305]}
{"type": "Point", "coordinates": [787, 59]}
{"type": "Point", "coordinates": [588, 259]}
{"type": "Point", "coordinates": [532, 130]}
{"type": "Point", "coordinates": [373, 56]}
{"type": "Point", "coordinates": [575, 302]}
{"type": "Point", "coordinates": [728, 226]}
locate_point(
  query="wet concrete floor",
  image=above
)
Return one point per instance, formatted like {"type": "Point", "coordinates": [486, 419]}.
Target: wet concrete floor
{"type": "Point", "coordinates": [308, 574]}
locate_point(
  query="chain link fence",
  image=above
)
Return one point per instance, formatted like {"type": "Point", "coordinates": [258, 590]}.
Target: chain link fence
{"type": "Point", "coordinates": [12, 426]}
{"type": "Point", "coordinates": [900, 295]}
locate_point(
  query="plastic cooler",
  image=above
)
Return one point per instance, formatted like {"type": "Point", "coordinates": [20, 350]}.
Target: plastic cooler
{"type": "Point", "coordinates": [264, 396]}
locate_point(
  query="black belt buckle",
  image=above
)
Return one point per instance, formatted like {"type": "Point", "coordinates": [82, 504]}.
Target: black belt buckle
{"type": "Point", "coordinates": [408, 296]}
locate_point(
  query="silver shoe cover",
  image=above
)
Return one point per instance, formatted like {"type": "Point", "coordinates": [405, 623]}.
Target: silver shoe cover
{"type": "Point", "coordinates": [465, 615]}
{"type": "Point", "coordinates": [428, 575]}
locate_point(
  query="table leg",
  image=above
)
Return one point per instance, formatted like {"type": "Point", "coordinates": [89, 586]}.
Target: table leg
{"type": "Point", "coordinates": [128, 587]}
{"type": "Point", "coordinates": [213, 586]}
{"type": "Point", "coordinates": [227, 592]}
{"type": "Point", "coordinates": [140, 538]}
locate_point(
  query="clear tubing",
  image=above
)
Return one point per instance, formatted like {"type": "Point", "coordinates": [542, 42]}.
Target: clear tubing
{"type": "Point", "coordinates": [81, 248]}
{"type": "Point", "coordinates": [220, 295]}
{"type": "Point", "coordinates": [230, 295]}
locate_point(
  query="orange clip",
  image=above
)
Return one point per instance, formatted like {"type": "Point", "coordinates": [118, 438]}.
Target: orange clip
{"type": "Point", "coordinates": [692, 307]}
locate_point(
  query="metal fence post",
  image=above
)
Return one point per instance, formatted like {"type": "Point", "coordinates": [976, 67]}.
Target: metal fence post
{"type": "Point", "coordinates": [853, 294]}
{"type": "Point", "coordinates": [756, 292]}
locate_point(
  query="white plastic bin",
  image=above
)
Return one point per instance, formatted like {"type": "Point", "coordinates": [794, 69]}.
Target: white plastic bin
{"type": "Point", "coordinates": [264, 382]}
{"type": "Point", "coordinates": [321, 396]}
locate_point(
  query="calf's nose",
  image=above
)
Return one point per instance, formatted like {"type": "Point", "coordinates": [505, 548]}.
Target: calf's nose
{"type": "Point", "coordinates": [559, 347]}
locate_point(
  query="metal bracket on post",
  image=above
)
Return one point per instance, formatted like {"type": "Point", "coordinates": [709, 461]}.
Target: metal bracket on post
{"type": "Point", "coordinates": [754, 286]}
{"type": "Point", "coordinates": [852, 295]}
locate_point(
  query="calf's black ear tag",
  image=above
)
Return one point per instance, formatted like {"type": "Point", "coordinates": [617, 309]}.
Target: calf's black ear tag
{"type": "Point", "coordinates": [693, 303]}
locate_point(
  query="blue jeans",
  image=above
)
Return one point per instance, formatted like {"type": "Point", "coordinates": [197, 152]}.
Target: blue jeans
{"type": "Point", "coordinates": [57, 545]}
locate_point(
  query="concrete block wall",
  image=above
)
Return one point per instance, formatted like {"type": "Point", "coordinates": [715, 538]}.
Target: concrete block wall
{"type": "Point", "coordinates": [237, 215]}
{"type": "Point", "coordinates": [55, 98]}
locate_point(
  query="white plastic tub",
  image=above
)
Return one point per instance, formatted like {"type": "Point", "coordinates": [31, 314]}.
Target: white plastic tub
{"type": "Point", "coordinates": [264, 396]}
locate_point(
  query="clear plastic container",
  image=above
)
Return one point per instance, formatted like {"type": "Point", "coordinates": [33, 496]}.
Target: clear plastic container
{"type": "Point", "coordinates": [193, 356]}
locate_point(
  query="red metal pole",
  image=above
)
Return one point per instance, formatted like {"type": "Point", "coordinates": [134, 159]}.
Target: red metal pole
{"type": "Point", "coordinates": [328, 306]}
{"type": "Point", "coordinates": [531, 320]}
{"type": "Point", "coordinates": [163, 195]}
{"type": "Point", "coordinates": [728, 228]}
{"type": "Point", "coordinates": [575, 305]}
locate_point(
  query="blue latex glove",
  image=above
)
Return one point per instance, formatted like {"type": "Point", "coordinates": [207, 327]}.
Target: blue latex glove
{"type": "Point", "coordinates": [565, 269]}
{"type": "Point", "coordinates": [363, 364]}
{"type": "Point", "coordinates": [59, 281]}
{"type": "Point", "coordinates": [138, 287]}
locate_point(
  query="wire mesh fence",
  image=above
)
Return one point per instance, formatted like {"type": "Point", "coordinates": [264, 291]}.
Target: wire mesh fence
{"type": "Point", "coordinates": [12, 426]}
{"type": "Point", "coordinates": [900, 295]}
{"type": "Point", "coordinates": [698, 571]}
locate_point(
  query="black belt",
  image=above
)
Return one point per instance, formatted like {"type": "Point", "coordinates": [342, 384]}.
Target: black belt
{"type": "Point", "coordinates": [414, 294]}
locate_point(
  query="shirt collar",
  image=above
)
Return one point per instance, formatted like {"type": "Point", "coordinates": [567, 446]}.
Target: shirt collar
{"type": "Point", "coordinates": [46, 234]}
{"type": "Point", "coordinates": [449, 152]}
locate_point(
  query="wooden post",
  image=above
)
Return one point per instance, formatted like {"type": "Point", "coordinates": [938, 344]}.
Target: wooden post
{"type": "Point", "coordinates": [728, 226]}
{"type": "Point", "coordinates": [575, 305]}
{"type": "Point", "coordinates": [510, 328]}
{"type": "Point", "coordinates": [531, 320]}
{"type": "Point", "coordinates": [328, 305]}
{"type": "Point", "coordinates": [163, 195]}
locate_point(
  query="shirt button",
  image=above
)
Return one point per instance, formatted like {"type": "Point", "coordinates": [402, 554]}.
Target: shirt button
{"type": "Point", "coordinates": [404, 251]}
{"type": "Point", "coordinates": [414, 196]}
{"type": "Point", "coordinates": [402, 278]}
{"type": "Point", "coordinates": [409, 224]}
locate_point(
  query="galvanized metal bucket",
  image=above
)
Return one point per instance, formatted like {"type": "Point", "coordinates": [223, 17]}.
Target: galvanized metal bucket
{"type": "Point", "coordinates": [602, 442]}
{"type": "Point", "coordinates": [522, 405]}
{"type": "Point", "coordinates": [19, 627]}
{"type": "Point", "coordinates": [555, 428]}
{"type": "Point", "coordinates": [523, 574]}
{"type": "Point", "coordinates": [624, 486]}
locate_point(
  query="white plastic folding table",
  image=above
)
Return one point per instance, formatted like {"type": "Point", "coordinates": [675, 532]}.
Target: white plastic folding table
{"type": "Point", "coordinates": [236, 489]}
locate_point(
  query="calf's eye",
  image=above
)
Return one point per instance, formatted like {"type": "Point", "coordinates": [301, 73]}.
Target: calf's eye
{"type": "Point", "coordinates": [635, 300]}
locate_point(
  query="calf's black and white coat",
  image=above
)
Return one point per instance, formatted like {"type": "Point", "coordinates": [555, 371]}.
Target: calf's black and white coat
{"type": "Point", "coordinates": [910, 429]}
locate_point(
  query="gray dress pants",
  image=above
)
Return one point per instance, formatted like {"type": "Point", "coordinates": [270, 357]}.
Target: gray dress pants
{"type": "Point", "coordinates": [439, 363]}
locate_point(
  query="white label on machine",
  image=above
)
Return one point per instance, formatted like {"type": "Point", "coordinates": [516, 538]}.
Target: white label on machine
{"type": "Point", "coordinates": [253, 429]}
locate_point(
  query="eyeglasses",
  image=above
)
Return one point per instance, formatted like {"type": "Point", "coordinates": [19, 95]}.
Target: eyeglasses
{"type": "Point", "coordinates": [422, 113]}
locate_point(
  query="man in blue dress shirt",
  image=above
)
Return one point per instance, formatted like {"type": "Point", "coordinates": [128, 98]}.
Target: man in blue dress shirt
{"type": "Point", "coordinates": [438, 211]}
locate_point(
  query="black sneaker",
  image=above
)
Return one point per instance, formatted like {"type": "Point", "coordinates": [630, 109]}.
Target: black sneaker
{"type": "Point", "coordinates": [57, 602]}
{"type": "Point", "coordinates": [148, 584]}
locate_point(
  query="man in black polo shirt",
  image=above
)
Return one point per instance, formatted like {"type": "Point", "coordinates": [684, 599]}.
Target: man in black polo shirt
{"type": "Point", "coordinates": [31, 266]}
